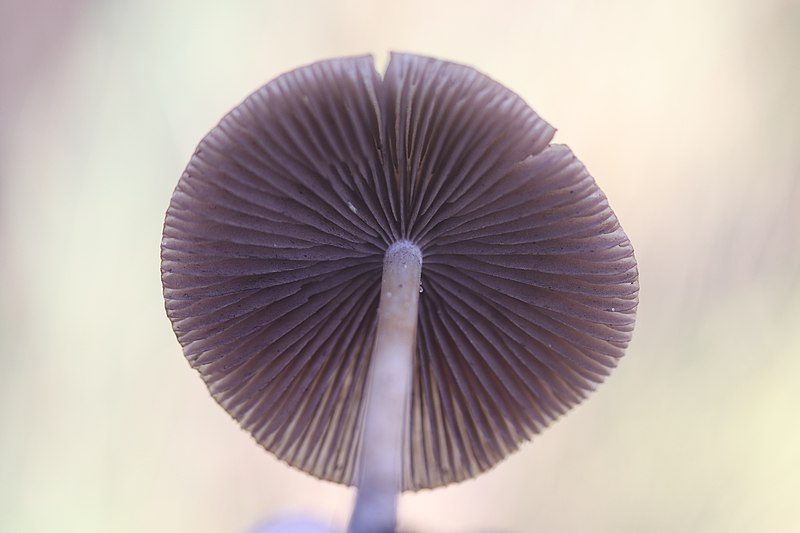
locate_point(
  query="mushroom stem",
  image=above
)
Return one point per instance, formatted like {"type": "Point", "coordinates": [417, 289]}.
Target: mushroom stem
{"type": "Point", "coordinates": [388, 393]}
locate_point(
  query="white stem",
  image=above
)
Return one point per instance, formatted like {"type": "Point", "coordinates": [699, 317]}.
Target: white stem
{"type": "Point", "coordinates": [388, 392]}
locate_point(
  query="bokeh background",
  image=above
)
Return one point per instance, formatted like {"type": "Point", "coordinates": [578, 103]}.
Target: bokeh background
{"type": "Point", "coordinates": [686, 111]}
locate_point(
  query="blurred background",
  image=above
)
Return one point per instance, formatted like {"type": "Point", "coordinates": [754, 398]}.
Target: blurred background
{"type": "Point", "coordinates": [686, 112]}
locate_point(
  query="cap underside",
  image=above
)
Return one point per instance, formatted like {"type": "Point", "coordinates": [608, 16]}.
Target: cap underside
{"type": "Point", "coordinates": [274, 241]}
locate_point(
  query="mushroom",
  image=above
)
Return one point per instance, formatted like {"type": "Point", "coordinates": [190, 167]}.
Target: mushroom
{"type": "Point", "coordinates": [394, 282]}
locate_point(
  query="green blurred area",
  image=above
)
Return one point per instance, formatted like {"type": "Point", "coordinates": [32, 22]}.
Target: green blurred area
{"type": "Point", "coordinates": [686, 113]}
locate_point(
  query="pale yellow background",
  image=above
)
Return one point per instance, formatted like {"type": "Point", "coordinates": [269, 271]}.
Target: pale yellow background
{"type": "Point", "coordinates": [686, 111]}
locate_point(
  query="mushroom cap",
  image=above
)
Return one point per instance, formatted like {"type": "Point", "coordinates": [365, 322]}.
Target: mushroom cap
{"type": "Point", "coordinates": [273, 247]}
